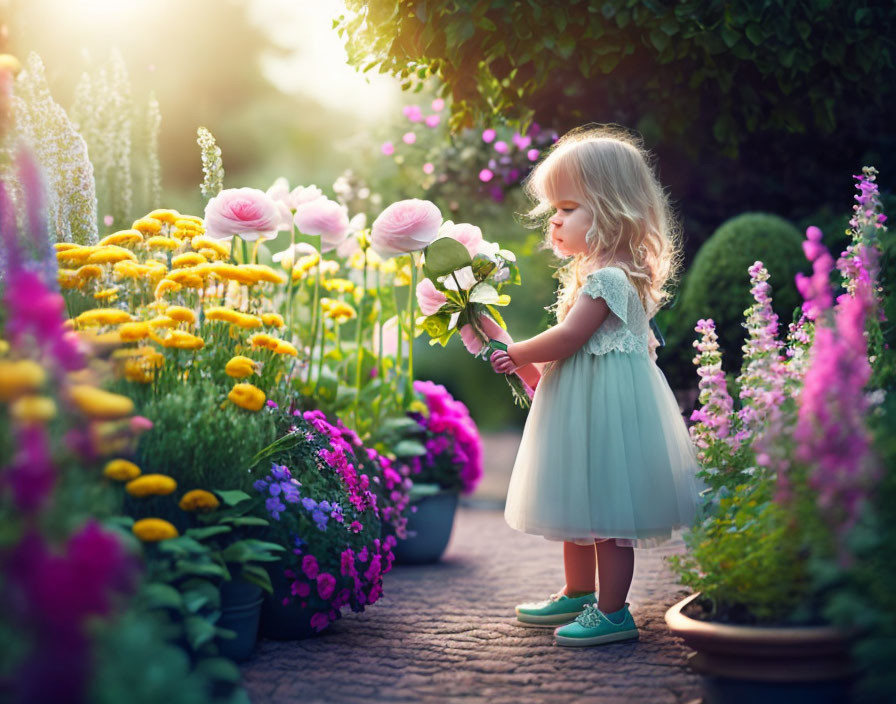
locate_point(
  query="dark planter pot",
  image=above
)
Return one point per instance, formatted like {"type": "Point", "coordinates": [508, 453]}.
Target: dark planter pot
{"type": "Point", "coordinates": [748, 664]}
{"type": "Point", "coordinates": [240, 612]}
{"type": "Point", "coordinates": [284, 622]}
{"type": "Point", "coordinates": [432, 523]}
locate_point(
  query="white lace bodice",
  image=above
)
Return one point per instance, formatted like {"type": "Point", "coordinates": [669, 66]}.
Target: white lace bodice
{"type": "Point", "coordinates": [627, 328]}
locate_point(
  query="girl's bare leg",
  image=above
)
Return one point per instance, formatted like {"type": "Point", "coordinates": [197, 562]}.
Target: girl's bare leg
{"type": "Point", "coordinates": [578, 563]}
{"type": "Point", "coordinates": [615, 567]}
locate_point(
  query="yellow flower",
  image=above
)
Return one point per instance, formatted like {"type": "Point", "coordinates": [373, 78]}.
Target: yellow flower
{"type": "Point", "coordinates": [228, 315]}
{"type": "Point", "coordinates": [10, 64]}
{"type": "Point", "coordinates": [163, 215]}
{"type": "Point", "coordinates": [166, 286]}
{"type": "Point", "coordinates": [273, 320]}
{"type": "Point", "coordinates": [97, 403]}
{"type": "Point", "coordinates": [92, 337]}
{"type": "Point", "coordinates": [239, 367]}
{"type": "Point", "coordinates": [188, 223]}
{"type": "Point", "coordinates": [340, 285]}
{"type": "Point", "coordinates": [64, 246]}
{"type": "Point", "coordinates": [148, 226]}
{"type": "Point", "coordinates": [161, 321]}
{"type": "Point", "coordinates": [121, 470]}
{"type": "Point", "coordinates": [304, 265]}
{"type": "Point", "coordinates": [152, 530]}
{"type": "Point", "coordinates": [68, 278]}
{"type": "Point", "coordinates": [131, 332]}
{"type": "Point", "coordinates": [74, 255]}
{"type": "Point", "coordinates": [187, 259]}
{"type": "Point", "coordinates": [89, 271]}
{"type": "Point", "coordinates": [325, 303]}
{"type": "Point", "coordinates": [193, 218]}
{"type": "Point", "coordinates": [103, 316]}
{"type": "Point", "coordinates": [247, 396]}
{"type": "Point", "coordinates": [356, 260]}
{"type": "Point", "coordinates": [262, 272]}
{"type": "Point", "coordinates": [340, 312]}
{"type": "Point", "coordinates": [182, 340]}
{"type": "Point", "coordinates": [155, 268]}
{"type": "Point", "coordinates": [162, 242]}
{"type": "Point", "coordinates": [389, 266]}
{"type": "Point", "coordinates": [107, 294]}
{"type": "Point", "coordinates": [418, 406]}
{"type": "Point", "coordinates": [122, 237]}
{"type": "Point", "coordinates": [238, 273]}
{"type": "Point", "coordinates": [181, 314]}
{"type": "Point", "coordinates": [19, 376]}
{"type": "Point", "coordinates": [33, 409]}
{"type": "Point", "coordinates": [329, 267]}
{"type": "Point", "coordinates": [138, 371]}
{"type": "Point", "coordinates": [221, 249]}
{"type": "Point", "coordinates": [402, 276]}
{"type": "Point", "coordinates": [199, 500]}
{"type": "Point", "coordinates": [284, 347]}
{"type": "Point", "coordinates": [151, 485]}
{"type": "Point", "coordinates": [110, 254]}
{"type": "Point", "coordinates": [263, 340]}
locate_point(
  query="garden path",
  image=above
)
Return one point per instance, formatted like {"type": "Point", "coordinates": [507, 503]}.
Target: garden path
{"type": "Point", "coordinates": [447, 633]}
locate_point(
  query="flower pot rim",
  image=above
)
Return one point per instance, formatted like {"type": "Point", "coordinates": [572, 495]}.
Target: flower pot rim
{"type": "Point", "coordinates": [692, 629]}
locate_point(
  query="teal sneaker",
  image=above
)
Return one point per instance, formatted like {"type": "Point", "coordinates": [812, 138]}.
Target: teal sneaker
{"type": "Point", "coordinates": [592, 627]}
{"type": "Point", "coordinates": [558, 609]}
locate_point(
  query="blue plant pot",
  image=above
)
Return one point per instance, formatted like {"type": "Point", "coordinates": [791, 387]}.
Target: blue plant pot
{"type": "Point", "coordinates": [281, 621]}
{"type": "Point", "coordinates": [432, 522]}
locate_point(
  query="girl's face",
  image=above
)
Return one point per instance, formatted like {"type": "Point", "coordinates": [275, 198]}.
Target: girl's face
{"type": "Point", "coordinates": [570, 222]}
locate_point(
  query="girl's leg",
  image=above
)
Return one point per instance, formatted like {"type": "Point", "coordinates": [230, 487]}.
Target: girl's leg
{"type": "Point", "coordinates": [578, 563]}
{"type": "Point", "coordinates": [615, 567]}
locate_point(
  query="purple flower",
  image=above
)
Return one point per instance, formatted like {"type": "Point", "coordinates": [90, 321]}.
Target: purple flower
{"type": "Point", "coordinates": [310, 566]}
{"type": "Point", "coordinates": [261, 485]}
{"type": "Point", "coordinates": [325, 584]}
{"type": "Point", "coordinates": [274, 489]}
{"type": "Point", "coordinates": [275, 507]}
{"type": "Point", "coordinates": [309, 504]}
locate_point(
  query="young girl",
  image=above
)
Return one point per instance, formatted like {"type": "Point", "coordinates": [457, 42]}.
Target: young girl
{"type": "Point", "coordinates": [605, 463]}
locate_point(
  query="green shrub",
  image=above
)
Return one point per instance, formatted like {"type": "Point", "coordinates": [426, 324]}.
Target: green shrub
{"type": "Point", "coordinates": [716, 286]}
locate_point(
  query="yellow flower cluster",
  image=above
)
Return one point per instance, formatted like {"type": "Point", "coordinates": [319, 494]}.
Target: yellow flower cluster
{"type": "Point", "coordinates": [152, 530]}
{"type": "Point", "coordinates": [340, 311]}
{"type": "Point", "coordinates": [96, 403]}
{"type": "Point", "coordinates": [339, 285]}
{"type": "Point", "coordinates": [151, 485]}
{"type": "Point", "coordinates": [18, 377]}
{"type": "Point", "coordinates": [103, 316]}
{"type": "Point", "coordinates": [199, 500]}
{"type": "Point", "coordinates": [247, 396]}
{"type": "Point", "coordinates": [234, 317]}
{"type": "Point", "coordinates": [269, 342]}
{"type": "Point", "coordinates": [239, 367]}
{"type": "Point", "coordinates": [121, 470]}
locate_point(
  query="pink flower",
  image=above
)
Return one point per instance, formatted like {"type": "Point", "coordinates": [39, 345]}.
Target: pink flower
{"type": "Point", "coordinates": [409, 138]}
{"type": "Point", "coordinates": [485, 175]}
{"type": "Point", "coordinates": [428, 168]}
{"type": "Point", "coordinates": [438, 104]}
{"type": "Point", "coordinates": [108, 220]}
{"type": "Point", "coordinates": [488, 136]}
{"type": "Point", "coordinates": [433, 120]}
{"type": "Point", "coordinates": [413, 113]}
{"type": "Point", "coordinates": [532, 154]}
{"type": "Point", "coordinates": [303, 194]}
{"type": "Point", "coordinates": [501, 147]}
{"type": "Point", "coordinates": [388, 148]}
{"type": "Point", "coordinates": [309, 566]}
{"type": "Point", "coordinates": [429, 297]}
{"type": "Point", "coordinates": [521, 142]}
{"type": "Point", "coordinates": [323, 217]}
{"type": "Point", "coordinates": [140, 423]}
{"type": "Point", "coordinates": [319, 621]}
{"type": "Point", "coordinates": [405, 226]}
{"type": "Point", "coordinates": [247, 212]}
{"type": "Point", "coordinates": [468, 235]}
{"type": "Point", "coordinates": [390, 337]}
{"type": "Point", "coordinates": [325, 584]}
{"type": "Point", "coordinates": [471, 340]}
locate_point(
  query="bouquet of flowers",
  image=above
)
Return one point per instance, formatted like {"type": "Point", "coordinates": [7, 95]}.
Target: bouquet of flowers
{"type": "Point", "coordinates": [465, 279]}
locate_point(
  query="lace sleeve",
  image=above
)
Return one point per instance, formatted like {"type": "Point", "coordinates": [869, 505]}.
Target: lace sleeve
{"type": "Point", "coordinates": [611, 284]}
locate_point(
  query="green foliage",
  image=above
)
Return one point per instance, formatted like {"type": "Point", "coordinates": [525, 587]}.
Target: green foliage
{"type": "Point", "coordinates": [717, 287]}
{"type": "Point", "coordinates": [199, 443]}
{"type": "Point", "coordinates": [770, 65]}
{"type": "Point", "coordinates": [745, 560]}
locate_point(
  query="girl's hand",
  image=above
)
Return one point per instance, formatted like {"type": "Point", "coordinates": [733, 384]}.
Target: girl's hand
{"type": "Point", "coordinates": [503, 363]}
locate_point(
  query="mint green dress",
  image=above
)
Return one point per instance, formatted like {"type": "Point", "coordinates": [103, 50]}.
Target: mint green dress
{"type": "Point", "coordinates": [605, 452]}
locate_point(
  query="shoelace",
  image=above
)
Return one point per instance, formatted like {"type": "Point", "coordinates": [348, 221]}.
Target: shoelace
{"type": "Point", "coordinates": [591, 616]}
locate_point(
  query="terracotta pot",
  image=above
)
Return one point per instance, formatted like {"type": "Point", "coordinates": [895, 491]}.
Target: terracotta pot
{"type": "Point", "coordinates": [748, 664]}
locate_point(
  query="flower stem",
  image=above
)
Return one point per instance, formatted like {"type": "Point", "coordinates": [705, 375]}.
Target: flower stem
{"type": "Point", "coordinates": [409, 383]}
{"type": "Point", "coordinates": [315, 319]}
{"type": "Point", "coordinates": [290, 285]}
{"type": "Point", "coordinates": [360, 350]}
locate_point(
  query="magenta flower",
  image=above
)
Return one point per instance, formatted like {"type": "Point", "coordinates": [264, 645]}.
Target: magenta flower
{"type": "Point", "coordinates": [309, 566]}
{"type": "Point", "coordinates": [488, 135]}
{"type": "Point", "coordinates": [532, 154]}
{"type": "Point", "coordinates": [409, 138]}
{"type": "Point", "coordinates": [388, 148]}
{"type": "Point", "coordinates": [501, 147]}
{"type": "Point", "coordinates": [438, 105]}
{"type": "Point", "coordinates": [325, 584]}
{"type": "Point", "coordinates": [433, 120]}
{"type": "Point", "coordinates": [486, 175]}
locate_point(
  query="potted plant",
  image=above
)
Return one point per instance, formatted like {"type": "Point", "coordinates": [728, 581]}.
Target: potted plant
{"type": "Point", "coordinates": [319, 501]}
{"type": "Point", "coordinates": [792, 477]}
{"type": "Point", "coordinates": [442, 452]}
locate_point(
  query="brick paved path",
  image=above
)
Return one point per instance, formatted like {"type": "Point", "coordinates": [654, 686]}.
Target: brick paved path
{"type": "Point", "coordinates": [447, 633]}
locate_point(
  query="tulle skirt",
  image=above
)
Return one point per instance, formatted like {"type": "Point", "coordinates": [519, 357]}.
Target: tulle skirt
{"type": "Point", "coordinates": [605, 455]}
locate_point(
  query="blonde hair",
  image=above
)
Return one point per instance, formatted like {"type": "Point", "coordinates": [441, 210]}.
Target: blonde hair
{"type": "Point", "coordinates": [633, 224]}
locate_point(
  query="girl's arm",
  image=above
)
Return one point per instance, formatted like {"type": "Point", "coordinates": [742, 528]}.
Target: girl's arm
{"type": "Point", "coordinates": [584, 318]}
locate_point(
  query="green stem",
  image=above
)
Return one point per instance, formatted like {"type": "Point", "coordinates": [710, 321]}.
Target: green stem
{"type": "Point", "coordinates": [398, 352]}
{"type": "Point", "coordinates": [412, 299]}
{"type": "Point", "coordinates": [245, 249]}
{"type": "Point", "coordinates": [290, 286]}
{"type": "Point", "coordinates": [379, 318]}
{"type": "Point", "coordinates": [358, 343]}
{"type": "Point", "coordinates": [320, 363]}
{"type": "Point", "coordinates": [315, 320]}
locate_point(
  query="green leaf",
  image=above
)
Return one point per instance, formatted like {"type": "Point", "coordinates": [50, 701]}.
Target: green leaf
{"type": "Point", "coordinates": [409, 448]}
{"type": "Point", "coordinates": [203, 569]}
{"type": "Point", "coordinates": [257, 575]}
{"type": "Point", "coordinates": [659, 39]}
{"type": "Point", "coordinates": [156, 595]}
{"type": "Point", "coordinates": [232, 498]}
{"type": "Point", "coordinates": [754, 33]}
{"type": "Point", "coordinates": [444, 256]}
{"type": "Point", "coordinates": [246, 521]}
{"type": "Point", "coordinates": [207, 532]}
{"type": "Point", "coordinates": [220, 669]}
{"type": "Point", "coordinates": [566, 44]}
{"type": "Point", "coordinates": [486, 24]}
{"type": "Point", "coordinates": [729, 36]}
{"type": "Point", "coordinates": [483, 293]}
{"type": "Point", "coordinates": [199, 631]}
{"type": "Point", "coordinates": [497, 316]}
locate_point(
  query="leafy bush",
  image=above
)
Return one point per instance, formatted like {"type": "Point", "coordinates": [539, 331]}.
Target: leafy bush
{"type": "Point", "coordinates": [715, 288]}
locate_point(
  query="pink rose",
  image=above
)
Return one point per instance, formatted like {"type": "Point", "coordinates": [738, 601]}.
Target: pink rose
{"type": "Point", "coordinates": [246, 212]}
{"type": "Point", "coordinates": [405, 226]}
{"type": "Point", "coordinates": [323, 217]}
{"type": "Point", "coordinates": [468, 235]}
{"type": "Point", "coordinates": [325, 584]}
{"type": "Point", "coordinates": [310, 566]}
{"type": "Point", "coordinates": [471, 340]}
{"type": "Point", "coordinates": [303, 194]}
{"type": "Point", "coordinates": [429, 297]}
{"type": "Point", "coordinates": [390, 337]}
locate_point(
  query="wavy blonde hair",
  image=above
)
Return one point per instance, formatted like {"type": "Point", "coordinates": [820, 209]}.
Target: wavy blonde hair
{"type": "Point", "coordinates": [633, 227]}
